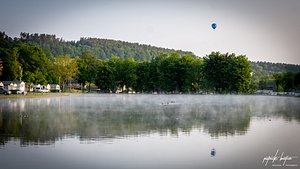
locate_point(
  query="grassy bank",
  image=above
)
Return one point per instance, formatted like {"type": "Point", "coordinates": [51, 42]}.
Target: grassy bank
{"type": "Point", "coordinates": [33, 95]}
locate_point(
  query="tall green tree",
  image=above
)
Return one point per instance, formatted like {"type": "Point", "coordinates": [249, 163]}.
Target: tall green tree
{"type": "Point", "coordinates": [226, 73]}
{"type": "Point", "coordinates": [191, 74]}
{"type": "Point", "coordinates": [88, 67]}
{"type": "Point", "coordinates": [65, 68]}
{"type": "Point", "coordinates": [105, 77]}
{"type": "Point", "coordinates": [34, 65]}
{"type": "Point", "coordinates": [129, 73]}
{"type": "Point", "coordinates": [115, 64]}
{"type": "Point", "coordinates": [10, 66]}
{"type": "Point", "coordinates": [239, 74]}
{"type": "Point", "coordinates": [124, 72]}
{"type": "Point", "coordinates": [168, 74]}
{"type": "Point", "coordinates": [143, 76]}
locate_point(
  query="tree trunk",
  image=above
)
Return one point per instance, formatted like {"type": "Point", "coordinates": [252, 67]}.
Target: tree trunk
{"type": "Point", "coordinates": [82, 87]}
{"type": "Point", "coordinates": [70, 86]}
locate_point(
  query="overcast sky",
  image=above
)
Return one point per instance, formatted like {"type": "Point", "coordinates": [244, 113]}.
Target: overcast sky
{"type": "Point", "coordinates": [264, 30]}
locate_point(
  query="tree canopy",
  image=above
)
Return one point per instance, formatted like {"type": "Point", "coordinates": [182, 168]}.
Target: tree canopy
{"type": "Point", "coordinates": [226, 73]}
{"type": "Point", "coordinates": [100, 48]}
{"type": "Point", "coordinates": [65, 68]}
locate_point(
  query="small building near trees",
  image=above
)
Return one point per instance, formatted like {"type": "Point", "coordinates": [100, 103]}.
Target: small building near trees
{"type": "Point", "coordinates": [54, 88]}
{"type": "Point", "coordinates": [13, 85]}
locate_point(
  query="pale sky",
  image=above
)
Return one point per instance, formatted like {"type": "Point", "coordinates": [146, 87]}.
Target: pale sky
{"type": "Point", "coordinates": [264, 30]}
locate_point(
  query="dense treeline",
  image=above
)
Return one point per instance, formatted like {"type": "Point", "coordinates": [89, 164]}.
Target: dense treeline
{"type": "Point", "coordinates": [275, 76]}
{"type": "Point", "coordinates": [105, 49]}
{"type": "Point", "coordinates": [101, 48]}
{"type": "Point", "coordinates": [20, 61]}
{"type": "Point", "coordinates": [267, 69]}
{"type": "Point", "coordinates": [171, 73]}
{"type": "Point", "coordinates": [168, 73]}
{"type": "Point", "coordinates": [39, 59]}
{"type": "Point", "coordinates": [288, 81]}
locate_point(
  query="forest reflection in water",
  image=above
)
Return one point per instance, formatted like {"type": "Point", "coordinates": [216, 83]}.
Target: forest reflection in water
{"type": "Point", "coordinates": [107, 117]}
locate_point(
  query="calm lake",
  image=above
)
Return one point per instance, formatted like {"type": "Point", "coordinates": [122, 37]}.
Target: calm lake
{"type": "Point", "coordinates": [103, 131]}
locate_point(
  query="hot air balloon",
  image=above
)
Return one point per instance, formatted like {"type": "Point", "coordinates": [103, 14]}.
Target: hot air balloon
{"type": "Point", "coordinates": [214, 26]}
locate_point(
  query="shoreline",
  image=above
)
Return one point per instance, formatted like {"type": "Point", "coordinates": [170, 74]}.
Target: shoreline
{"type": "Point", "coordinates": [49, 95]}
{"type": "Point", "coordinates": [33, 95]}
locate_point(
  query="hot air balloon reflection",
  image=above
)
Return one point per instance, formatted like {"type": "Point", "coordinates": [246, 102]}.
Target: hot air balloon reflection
{"type": "Point", "coordinates": [214, 26]}
{"type": "Point", "coordinates": [213, 152]}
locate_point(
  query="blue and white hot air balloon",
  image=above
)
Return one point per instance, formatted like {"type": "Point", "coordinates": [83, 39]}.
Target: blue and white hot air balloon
{"type": "Point", "coordinates": [214, 26]}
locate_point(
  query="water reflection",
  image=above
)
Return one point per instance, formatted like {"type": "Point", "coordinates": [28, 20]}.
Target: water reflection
{"type": "Point", "coordinates": [102, 117]}
{"type": "Point", "coordinates": [213, 152]}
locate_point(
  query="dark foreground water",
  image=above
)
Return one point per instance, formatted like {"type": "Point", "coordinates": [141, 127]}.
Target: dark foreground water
{"type": "Point", "coordinates": [150, 132]}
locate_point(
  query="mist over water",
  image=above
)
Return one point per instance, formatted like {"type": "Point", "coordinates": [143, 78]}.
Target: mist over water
{"type": "Point", "coordinates": [177, 131]}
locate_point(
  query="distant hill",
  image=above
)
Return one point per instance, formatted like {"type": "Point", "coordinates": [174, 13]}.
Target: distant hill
{"type": "Point", "coordinates": [101, 48]}
{"type": "Point", "coordinates": [265, 69]}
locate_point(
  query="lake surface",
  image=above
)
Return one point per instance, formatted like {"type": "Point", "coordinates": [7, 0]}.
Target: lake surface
{"type": "Point", "coordinates": [103, 131]}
